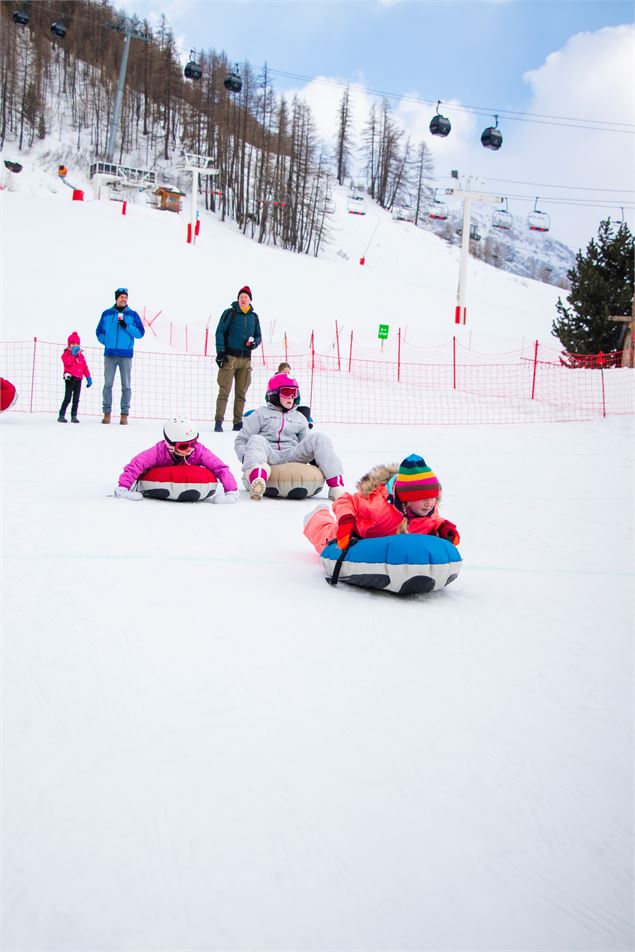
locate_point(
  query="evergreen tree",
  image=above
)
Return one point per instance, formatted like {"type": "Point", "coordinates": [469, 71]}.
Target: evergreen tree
{"type": "Point", "coordinates": [601, 286]}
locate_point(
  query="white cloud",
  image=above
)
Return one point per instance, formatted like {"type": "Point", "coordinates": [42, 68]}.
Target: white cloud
{"type": "Point", "coordinates": [591, 77]}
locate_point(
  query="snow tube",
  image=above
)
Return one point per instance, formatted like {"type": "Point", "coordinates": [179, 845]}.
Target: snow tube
{"type": "Point", "coordinates": [292, 481]}
{"type": "Point", "coordinates": [403, 564]}
{"type": "Point", "coordinates": [178, 483]}
{"type": "Point", "coordinates": [8, 395]}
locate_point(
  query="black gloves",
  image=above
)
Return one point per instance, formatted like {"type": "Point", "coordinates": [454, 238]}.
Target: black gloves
{"type": "Point", "coordinates": [220, 358]}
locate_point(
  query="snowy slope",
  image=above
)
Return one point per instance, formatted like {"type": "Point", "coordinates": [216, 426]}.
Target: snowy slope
{"type": "Point", "coordinates": [205, 747]}
{"type": "Point", "coordinates": [409, 278]}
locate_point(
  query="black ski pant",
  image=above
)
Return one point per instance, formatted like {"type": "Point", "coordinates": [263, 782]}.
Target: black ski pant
{"type": "Point", "coordinates": [73, 389]}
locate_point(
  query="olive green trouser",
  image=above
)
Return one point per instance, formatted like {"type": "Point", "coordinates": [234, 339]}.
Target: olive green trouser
{"type": "Point", "coordinates": [236, 370]}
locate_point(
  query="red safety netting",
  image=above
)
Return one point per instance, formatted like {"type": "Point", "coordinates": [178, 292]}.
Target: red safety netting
{"type": "Point", "coordinates": [447, 384]}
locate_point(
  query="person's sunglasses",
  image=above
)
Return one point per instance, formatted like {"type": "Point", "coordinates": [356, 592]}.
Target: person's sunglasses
{"type": "Point", "coordinates": [288, 392]}
{"type": "Point", "coordinates": [188, 445]}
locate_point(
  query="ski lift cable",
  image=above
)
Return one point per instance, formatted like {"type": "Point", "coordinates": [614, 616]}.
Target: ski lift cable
{"type": "Point", "coordinates": [577, 188]}
{"type": "Point", "coordinates": [601, 125]}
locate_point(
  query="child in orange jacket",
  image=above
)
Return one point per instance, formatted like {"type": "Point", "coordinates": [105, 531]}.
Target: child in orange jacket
{"type": "Point", "coordinates": [390, 500]}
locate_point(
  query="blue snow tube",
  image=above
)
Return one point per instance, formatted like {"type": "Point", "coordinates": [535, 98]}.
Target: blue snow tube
{"type": "Point", "coordinates": [403, 564]}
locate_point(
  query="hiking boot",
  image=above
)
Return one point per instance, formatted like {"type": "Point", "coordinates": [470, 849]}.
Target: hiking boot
{"type": "Point", "coordinates": [74, 419]}
{"type": "Point", "coordinates": [237, 426]}
{"type": "Point", "coordinates": [218, 426]}
{"type": "Point", "coordinates": [62, 419]}
{"type": "Point", "coordinates": [106, 418]}
{"type": "Point", "coordinates": [124, 419]}
{"type": "Point", "coordinates": [257, 488]}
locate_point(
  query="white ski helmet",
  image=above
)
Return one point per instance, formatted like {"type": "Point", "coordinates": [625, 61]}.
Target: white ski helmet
{"type": "Point", "coordinates": [179, 430]}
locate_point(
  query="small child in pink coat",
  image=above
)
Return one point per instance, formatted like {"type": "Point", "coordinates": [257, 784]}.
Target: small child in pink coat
{"type": "Point", "coordinates": [179, 447]}
{"type": "Point", "coordinates": [75, 367]}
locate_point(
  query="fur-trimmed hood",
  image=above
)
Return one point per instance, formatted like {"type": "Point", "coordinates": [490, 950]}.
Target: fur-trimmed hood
{"type": "Point", "coordinates": [378, 476]}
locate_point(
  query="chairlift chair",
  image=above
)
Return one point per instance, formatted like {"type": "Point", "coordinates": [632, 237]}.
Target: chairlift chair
{"type": "Point", "coordinates": [403, 213]}
{"type": "Point", "coordinates": [232, 82]}
{"type": "Point", "coordinates": [21, 17]}
{"type": "Point", "coordinates": [492, 137]}
{"type": "Point", "coordinates": [438, 210]}
{"type": "Point", "coordinates": [503, 218]}
{"type": "Point", "coordinates": [59, 29]}
{"type": "Point", "coordinates": [355, 205]}
{"type": "Point", "coordinates": [329, 206]}
{"type": "Point", "coordinates": [537, 220]}
{"type": "Point", "coordinates": [474, 233]}
{"type": "Point", "coordinates": [440, 125]}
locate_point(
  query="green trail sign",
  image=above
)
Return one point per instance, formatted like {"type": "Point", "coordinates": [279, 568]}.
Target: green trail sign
{"type": "Point", "coordinates": [383, 331]}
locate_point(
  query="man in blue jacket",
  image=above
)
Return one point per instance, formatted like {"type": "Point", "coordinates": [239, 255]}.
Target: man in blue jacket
{"type": "Point", "coordinates": [118, 326]}
{"type": "Point", "coordinates": [237, 336]}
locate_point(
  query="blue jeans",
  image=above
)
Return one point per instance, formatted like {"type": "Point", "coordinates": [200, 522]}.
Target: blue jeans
{"type": "Point", "coordinates": [125, 372]}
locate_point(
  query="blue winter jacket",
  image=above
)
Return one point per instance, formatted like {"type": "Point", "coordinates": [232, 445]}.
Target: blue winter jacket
{"type": "Point", "coordinates": [234, 330]}
{"type": "Point", "coordinates": [118, 340]}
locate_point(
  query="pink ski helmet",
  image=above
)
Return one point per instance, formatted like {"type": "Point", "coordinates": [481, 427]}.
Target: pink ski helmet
{"type": "Point", "coordinates": [282, 382]}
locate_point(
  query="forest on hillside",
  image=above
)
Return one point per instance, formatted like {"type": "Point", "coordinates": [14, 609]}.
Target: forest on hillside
{"type": "Point", "coordinates": [274, 173]}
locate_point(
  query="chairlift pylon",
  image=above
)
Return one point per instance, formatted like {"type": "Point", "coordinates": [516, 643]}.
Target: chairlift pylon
{"type": "Point", "coordinates": [492, 137]}
{"type": "Point", "coordinates": [438, 210]}
{"type": "Point", "coordinates": [537, 220]}
{"type": "Point", "coordinates": [503, 218]}
{"type": "Point", "coordinates": [21, 17]}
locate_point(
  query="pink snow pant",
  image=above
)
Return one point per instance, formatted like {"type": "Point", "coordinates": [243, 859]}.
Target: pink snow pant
{"type": "Point", "coordinates": [320, 529]}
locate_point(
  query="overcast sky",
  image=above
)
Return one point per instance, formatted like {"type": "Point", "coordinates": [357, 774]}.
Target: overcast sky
{"type": "Point", "coordinates": [565, 60]}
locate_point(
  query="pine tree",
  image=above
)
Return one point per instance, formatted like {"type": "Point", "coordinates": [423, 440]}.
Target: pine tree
{"type": "Point", "coordinates": [601, 286]}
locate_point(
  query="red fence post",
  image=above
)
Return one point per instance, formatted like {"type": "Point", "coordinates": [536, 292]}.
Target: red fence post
{"type": "Point", "coordinates": [312, 351]}
{"type": "Point", "coordinates": [533, 382]}
{"type": "Point", "coordinates": [262, 351]}
{"type": "Point", "coordinates": [454, 363]}
{"type": "Point", "coordinates": [170, 333]}
{"type": "Point", "coordinates": [350, 354]}
{"type": "Point", "coordinates": [337, 341]}
{"type": "Point", "coordinates": [603, 393]}
{"type": "Point", "coordinates": [32, 375]}
{"type": "Point", "coordinates": [189, 233]}
{"type": "Point", "coordinates": [286, 352]}
{"type": "Point", "coordinates": [399, 355]}
{"type": "Point", "coordinates": [186, 347]}
{"type": "Point", "coordinates": [206, 339]}
{"type": "Point", "coordinates": [124, 208]}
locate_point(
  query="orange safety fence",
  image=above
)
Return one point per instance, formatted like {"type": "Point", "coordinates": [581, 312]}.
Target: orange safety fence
{"type": "Point", "coordinates": [447, 385]}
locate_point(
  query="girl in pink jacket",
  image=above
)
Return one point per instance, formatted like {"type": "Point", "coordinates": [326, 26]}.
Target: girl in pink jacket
{"type": "Point", "coordinates": [75, 367]}
{"type": "Point", "coordinates": [179, 447]}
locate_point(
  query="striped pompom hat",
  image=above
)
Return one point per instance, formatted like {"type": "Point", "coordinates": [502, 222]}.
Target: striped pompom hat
{"type": "Point", "coordinates": [415, 480]}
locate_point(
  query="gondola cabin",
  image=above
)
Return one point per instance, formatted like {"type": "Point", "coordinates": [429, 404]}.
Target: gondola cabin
{"type": "Point", "coordinates": [193, 71]}
{"type": "Point", "coordinates": [233, 83]}
{"type": "Point", "coordinates": [59, 29]}
{"type": "Point", "coordinates": [403, 213]}
{"type": "Point", "coordinates": [440, 126]}
{"type": "Point", "coordinates": [21, 17]}
{"type": "Point", "coordinates": [492, 138]}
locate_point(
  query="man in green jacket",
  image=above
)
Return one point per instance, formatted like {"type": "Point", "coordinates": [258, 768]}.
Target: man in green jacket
{"type": "Point", "coordinates": [237, 335]}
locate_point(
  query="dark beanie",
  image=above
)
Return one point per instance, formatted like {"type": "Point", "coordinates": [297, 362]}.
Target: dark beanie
{"type": "Point", "coordinates": [245, 290]}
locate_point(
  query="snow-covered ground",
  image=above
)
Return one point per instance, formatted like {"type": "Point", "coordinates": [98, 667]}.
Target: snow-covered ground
{"type": "Point", "coordinates": [205, 747]}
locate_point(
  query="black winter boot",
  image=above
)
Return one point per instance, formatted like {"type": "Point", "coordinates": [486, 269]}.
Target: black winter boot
{"type": "Point", "coordinates": [237, 426]}
{"type": "Point", "coordinates": [218, 426]}
{"type": "Point", "coordinates": [62, 419]}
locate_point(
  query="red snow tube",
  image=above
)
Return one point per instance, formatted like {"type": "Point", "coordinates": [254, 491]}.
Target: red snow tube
{"type": "Point", "coordinates": [179, 483]}
{"type": "Point", "coordinates": [8, 394]}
